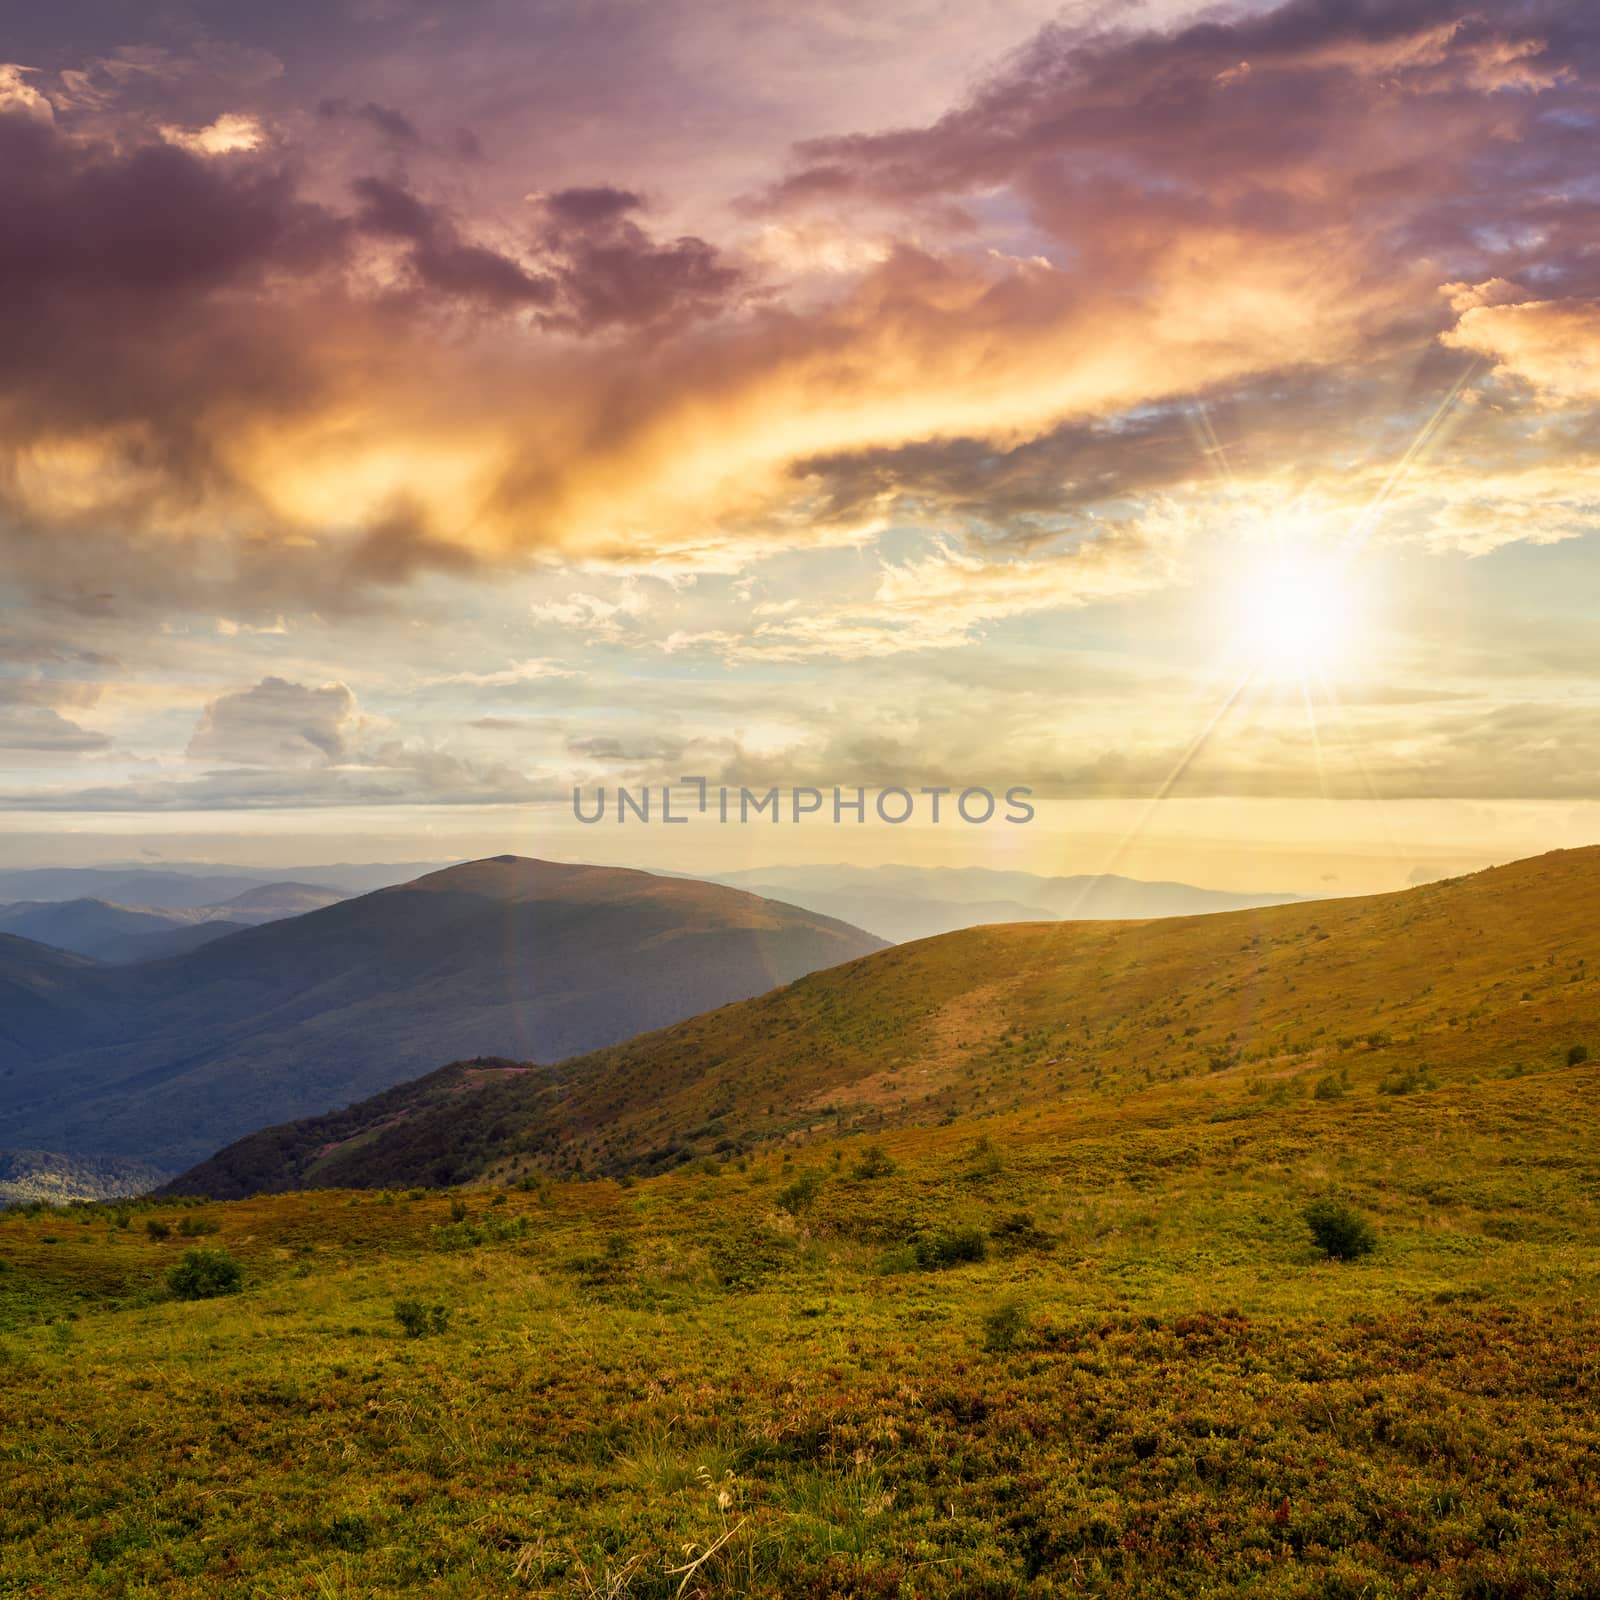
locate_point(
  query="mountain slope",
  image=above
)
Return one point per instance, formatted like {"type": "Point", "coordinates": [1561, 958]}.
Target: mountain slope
{"type": "Point", "coordinates": [903, 903]}
{"type": "Point", "coordinates": [98, 929]}
{"type": "Point", "coordinates": [506, 956]}
{"type": "Point", "coordinates": [1488, 974]}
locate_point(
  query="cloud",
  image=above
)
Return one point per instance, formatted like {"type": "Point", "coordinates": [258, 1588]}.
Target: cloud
{"type": "Point", "coordinates": [532, 670]}
{"type": "Point", "coordinates": [613, 274]}
{"type": "Point", "coordinates": [277, 724]}
{"type": "Point", "coordinates": [298, 391]}
{"type": "Point", "coordinates": [231, 132]}
{"type": "Point", "coordinates": [394, 126]}
{"type": "Point", "coordinates": [1554, 345]}
{"type": "Point", "coordinates": [19, 98]}
{"type": "Point", "coordinates": [42, 729]}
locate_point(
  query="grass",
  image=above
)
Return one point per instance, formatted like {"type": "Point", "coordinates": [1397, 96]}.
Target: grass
{"type": "Point", "coordinates": [1150, 1381]}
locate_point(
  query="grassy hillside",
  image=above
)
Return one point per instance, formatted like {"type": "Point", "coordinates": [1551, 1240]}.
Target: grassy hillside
{"type": "Point", "coordinates": [1064, 1351]}
{"type": "Point", "coordinates": [168, 1060]}
{"type": "Point", "coordinates": [1214, 1017]}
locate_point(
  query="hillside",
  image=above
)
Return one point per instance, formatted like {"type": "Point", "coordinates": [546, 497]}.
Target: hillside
{"type": "Point", "coordinates": [1056, 1353]}
{"type": "Point", "coordinates": [49, 1000]}
{"type": "Point", "coordinates": [902, 903]}
{"type": "Point", "coordinates": [506, 957]}
{"type": "Point", "coordinates": [1481, 975]}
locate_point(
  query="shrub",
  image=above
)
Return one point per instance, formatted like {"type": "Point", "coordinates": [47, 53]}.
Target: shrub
{"type": "Point", "coordinates": [156, 1228]}
{"type": "Point", "coordinates": [874, 1163]}
{"type": "Point", "coordinates": [458, 1210]}
{"type": "Point", "coordinates": [935, 1251]}
{"type": "Point", "coordinates": [1329, 1088]}
{"type": "Point", "coordinates": [1339, 1229]}
{"type": "Point", "coordinates": [195, 1227]}
{"type": "Point", "coordinates": [1005, 1325]}
{"type": "Point", "coordinates": [795, 1197]}
{"type": "Point", "coordinates": [1018, 1232]}
{"type": "Point", "coordinates": [417, 1319]}
{"type": "Point", "coordinates": [1413, 1081]}
{"type": "Point", "coordinates": [1577, 1055]}
{"type": "Point", "coordinates": [204, 1274]}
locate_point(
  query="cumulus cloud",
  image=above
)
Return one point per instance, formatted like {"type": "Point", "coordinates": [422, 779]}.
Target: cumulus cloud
{"type": "Point", "coordinates": [1554, 345]}
{"type": "Point", "coordinates": [277, 724]}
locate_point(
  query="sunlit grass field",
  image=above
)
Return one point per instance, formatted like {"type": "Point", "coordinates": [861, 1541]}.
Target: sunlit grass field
{"type": "Point", "coordinates": [1083, 1350]}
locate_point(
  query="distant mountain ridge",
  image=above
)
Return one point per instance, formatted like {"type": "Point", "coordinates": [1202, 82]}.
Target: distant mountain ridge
{"type": "Point", "coordinates": [107, 931]}
{"type": "Point", "coordinates": [902, 903]}
{"type": "Point", "coordinates": [167, 1060]}
{"type": "Point", "coordinates": [1494, 973]}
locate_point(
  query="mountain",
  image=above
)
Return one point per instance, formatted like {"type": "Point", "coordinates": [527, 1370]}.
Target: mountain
{"type": "Point", "coordinates": [167, 1060]}
{"type": "Point", "coordinates": [269, 902]}
{"type": "Point", "coordinates": [88, 927]}
{"type": "Point", "coordinates": [157, 888]}
{"type": "Point", "coordinates": [1491, 973]}
{"type": "Point", "coordinates": [901, 903]}
{"type": "Point", "coordinates": [182, 886]}
{"type": "Point", "coordinates": [106, 931]}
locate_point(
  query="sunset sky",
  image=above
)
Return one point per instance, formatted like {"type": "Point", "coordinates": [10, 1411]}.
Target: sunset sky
{"type": "Point", "coordinates": [408, 412]}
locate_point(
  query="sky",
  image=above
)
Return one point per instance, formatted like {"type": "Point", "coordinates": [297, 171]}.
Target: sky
{"type": "Point", "coordinates": [412, 413]}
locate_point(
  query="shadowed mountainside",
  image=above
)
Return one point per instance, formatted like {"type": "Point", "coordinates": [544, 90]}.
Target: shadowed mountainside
{"type": "Point", "coordinates": [1217, 1015]}
{"type": "Point", "coordinates": [167, 1060]}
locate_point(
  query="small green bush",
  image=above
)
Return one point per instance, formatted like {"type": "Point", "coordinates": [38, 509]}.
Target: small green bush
{"type": "Point", "coordinates": [1005, 1325]}
{"type": "Point", "coordinates": [933, 1252]}
{"type": "Point", "coordinates": [1577, 1055]}
{"type": "Point", "coordinates": [156, 1228]}
{"type": "Point", "coordinates": [1329, 1088]}
{"type": "Point", "coordinates": [417, 1319]}
{"type": "Point", "coordinates": [204, 1274]}
{"type": "Point", "coordinates": [196, 1227]}
{"type": "Point", "coordinates": [1414, 1080]}
{"type": "Point", "coordinates": [874, 1163]}
{"type": "Point", "coordinates": [797, 1196]}
{"type": "Point", "coordinates": [1339, 1229]}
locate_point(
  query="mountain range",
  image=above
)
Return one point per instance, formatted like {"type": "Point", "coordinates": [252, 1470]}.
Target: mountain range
{"type": "Point", "coordinates": [902, 903]}
{"type": "Point", "coordinates": [107, 931]}
{"type": "Point", "coordinates": [166, 1060]}
{"type": "Point", "coordinates": [1494, 973]}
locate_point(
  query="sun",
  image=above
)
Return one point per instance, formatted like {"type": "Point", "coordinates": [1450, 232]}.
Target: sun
{"type": "Point", "coordinates": [1296, 615]}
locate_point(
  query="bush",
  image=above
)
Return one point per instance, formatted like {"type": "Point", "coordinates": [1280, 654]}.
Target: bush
{"type": "Point", "coordinates": [1577, 1055]}
{"type": "Point", "coordinates": [1339, 1229]}
{"type": "Point", "coordinates": [1413, 1081]}
{"type": "Point", "coordinates": [874, 1163]}
{"type": "Point", "coordinates": [1329, 1088]}
{"type": "Point", "coordinates": [1018, 1232]}
{"type": "Point", "coordinates": [935, 1251]}
{"type": "Point", "coordinates": [417, 1319]}
{"type": "Point", "coordinates": [195, 1227]}
{"type": "Point", "coordinates": [156, 1228]}
{"type": "Point", "coordinates": [1005, 1325]}
{"type": "Point", "coordinates": [797, 1196]}
{"type": "Point", "coordinates": [204, 1274]}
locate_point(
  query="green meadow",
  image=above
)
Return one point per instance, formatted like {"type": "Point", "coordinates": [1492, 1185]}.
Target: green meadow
{"type": "Point", "coordinates": [1075, 1350]}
